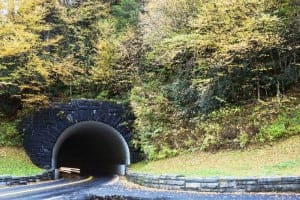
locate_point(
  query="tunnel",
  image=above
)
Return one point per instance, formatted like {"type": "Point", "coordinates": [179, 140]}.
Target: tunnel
{"type": "Point", "coordinates": [94, 136]}
{"type": "Point", "coordinates": [94, 147]}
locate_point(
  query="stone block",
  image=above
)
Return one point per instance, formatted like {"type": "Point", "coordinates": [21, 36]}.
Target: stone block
{"type": "Point", "coordinates": [290, 187]}
{"type": "Point", "coordinates": [9, 183]}
{"type": "Point", "coordinates": [228, 184]}
{"type": "Point", "coordinates": [253, 182]}
{"type": "Point", "coordinates": [267, 180]}
{"type": "Point", "coordinates": [192, 185]}
{"type": "Point", "coordinates": [31, 180]}
{"type": "Point", "coordinates": [171, 187]}
{"type": "Point", "coordinates": [175, 182]}
{"type": "Point", "coordinates": [253, 188]}
{"type": "Point", "coordinates": [291, 179]}
{"type": "Point", "coordinates": [209, 185]}
{"type": "Point", "coordinates": [23, 182]}
{"type": "Point", "coordinates": [163, 181]}
{"type": "Point", "coordinates": [153, 185]}
{"type": "Point", "coordinates": [203, 180]}
{"type": "Point", "coordinates": [5, 178]}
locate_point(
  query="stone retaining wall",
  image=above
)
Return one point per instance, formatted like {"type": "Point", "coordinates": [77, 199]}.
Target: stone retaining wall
{"type": "Point", "coordinates": [23, 180]}
{"type": "Point", "coordinates": [231, 184]}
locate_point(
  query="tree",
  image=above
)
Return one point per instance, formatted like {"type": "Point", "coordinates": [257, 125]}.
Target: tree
{"type": "Point", "coordinates": [21, 47]}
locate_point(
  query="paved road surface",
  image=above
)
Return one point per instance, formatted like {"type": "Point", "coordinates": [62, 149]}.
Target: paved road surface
{"type": "Point", "coordinates": [89, 187]}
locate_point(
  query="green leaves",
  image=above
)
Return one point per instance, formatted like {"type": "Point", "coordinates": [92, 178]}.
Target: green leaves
{"type": "Point", "coordinates": [285, 125]}
{"type": "Point", "coordinates": [9, 135]}
{"type": "Point", "coordinates": [127, 13]}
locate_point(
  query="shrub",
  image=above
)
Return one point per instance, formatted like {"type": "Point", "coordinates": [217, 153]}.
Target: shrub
{"type": "Point", "coordinates": [243, 139]}
{"type": "Point", "coordinates": [161, 131]}
{"type": "Point", "coordinates": [127, 13]}
{"type": "Point", "coordinates": [285, 125]}
{"type": "Point", "coordinates": [9, 135]}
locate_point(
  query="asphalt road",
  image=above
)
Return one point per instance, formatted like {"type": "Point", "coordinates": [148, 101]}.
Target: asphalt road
{"type": "Point", "coordinates": [52, 189]}
{"type": "Point", "coordinates": [90, 187]}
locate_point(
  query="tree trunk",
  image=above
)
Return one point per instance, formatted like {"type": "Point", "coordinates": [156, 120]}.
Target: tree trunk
{"type": "Point", "coordinates": [258, 90]}
{"type": "Point", "coordinates": [278, 91]}
{"type": "Point", "coordinates": [11, 9]}
{"type": "Point", "coordinates": [69, 2]}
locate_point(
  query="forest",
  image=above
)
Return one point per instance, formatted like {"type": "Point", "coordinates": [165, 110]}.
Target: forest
{"type": "Point", "coordinates": [199, 74]}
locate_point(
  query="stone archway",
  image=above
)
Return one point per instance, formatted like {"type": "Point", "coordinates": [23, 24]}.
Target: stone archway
{"type": "Point", "coordinates": [48, 133]}
{"type": "Point", "coordinates": [92, 147]}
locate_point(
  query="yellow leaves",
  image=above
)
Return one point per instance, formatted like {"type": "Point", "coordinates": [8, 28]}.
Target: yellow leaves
{"type": "Point", "coordinates": [268, 23]}
{"type": "Point", "coordinates": [125, 47]}
{"type": "Point", "coordinates": [14, 39]}
{"type": "Point", "coordinates": [19, 32]}
{"type": "Point", "coordinates": [33, 77]}
{"type": "Point", "coordinates": [39, 65]}
{"type": "Point", "coordinates": [107, 27]}
{"type": "Point", "coordinates": [165, 16]}
{"type": "Point", "coordinates": [236, 26]}
{"type": "Point", "coordinates": [66, 70]}
{"type": "Point", "coordinates": [32, 88]}
{"type": "Point", "coordinates": [53, 41]}
{"type": "Point", "coordinates": [86, 10]}
{"type": "Point", "coordinates": [216, 30]}
{"type": "Point", "coordinates": [1, 5]}
{"type": "Point", "coordinates": [107, 57]}
{"type": "Point", "coordinates": [62, 70]}
{"type": "Point", "coordinates": [106, 51]}
{"type": "Point", "coordinates": [31, 12]}
{"type": "Point", "coordinates": [34, 100]}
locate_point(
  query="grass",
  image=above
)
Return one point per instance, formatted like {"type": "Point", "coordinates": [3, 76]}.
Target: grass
{"type": "Point", "coordinates": [15, 162]}
{"type": "Point", "coordinates": [282, 158]}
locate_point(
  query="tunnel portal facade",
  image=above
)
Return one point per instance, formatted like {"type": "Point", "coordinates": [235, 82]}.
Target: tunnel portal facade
{"type": "Point", "coordinates": [90, 135]}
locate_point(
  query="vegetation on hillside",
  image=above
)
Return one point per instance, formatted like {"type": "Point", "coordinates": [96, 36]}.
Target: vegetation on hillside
{"type": "Point", "coordinates": [199, 74]}
{"type": "Point", "coordinates": [50, 51]}
{"type": "Point", "coordinates": [56, 52]}
{"type": "Point", "coordinates": [208, 68]}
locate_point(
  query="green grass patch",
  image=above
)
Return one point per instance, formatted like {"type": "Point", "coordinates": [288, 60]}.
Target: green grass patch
{"type": "Point", "coordinates": [15, 162]}
{"type": "Point", "coordinates": [283, 167]}
{"type": "Point", "coordinates": [279, 159]}
{"type": "Point", "coordinates": [286, 124]}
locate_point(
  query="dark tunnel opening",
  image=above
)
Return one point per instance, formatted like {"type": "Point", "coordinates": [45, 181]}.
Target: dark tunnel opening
{"type": "Point", "coordinates": [93, 147]}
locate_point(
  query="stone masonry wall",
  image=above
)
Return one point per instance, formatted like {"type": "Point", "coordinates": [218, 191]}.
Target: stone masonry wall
{"type": "Point", "coordinates": [42, 129]}
{"type": "Point", "coordinates": [230, 184]}
{"type": "Point", "coordinates": [23, 180]}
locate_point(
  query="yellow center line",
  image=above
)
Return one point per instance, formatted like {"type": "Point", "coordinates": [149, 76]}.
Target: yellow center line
{"type": "Point", "coordinates": [46, 188]}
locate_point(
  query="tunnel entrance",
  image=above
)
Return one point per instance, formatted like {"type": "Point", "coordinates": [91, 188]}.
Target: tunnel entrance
{"type": "Point", "coordinates": [93, 147]}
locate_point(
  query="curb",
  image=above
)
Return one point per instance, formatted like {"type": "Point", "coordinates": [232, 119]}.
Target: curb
{"type": "Point", "coordinates": [215, 184]}
{"type": "Point", "coordinates": [24, 180]}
